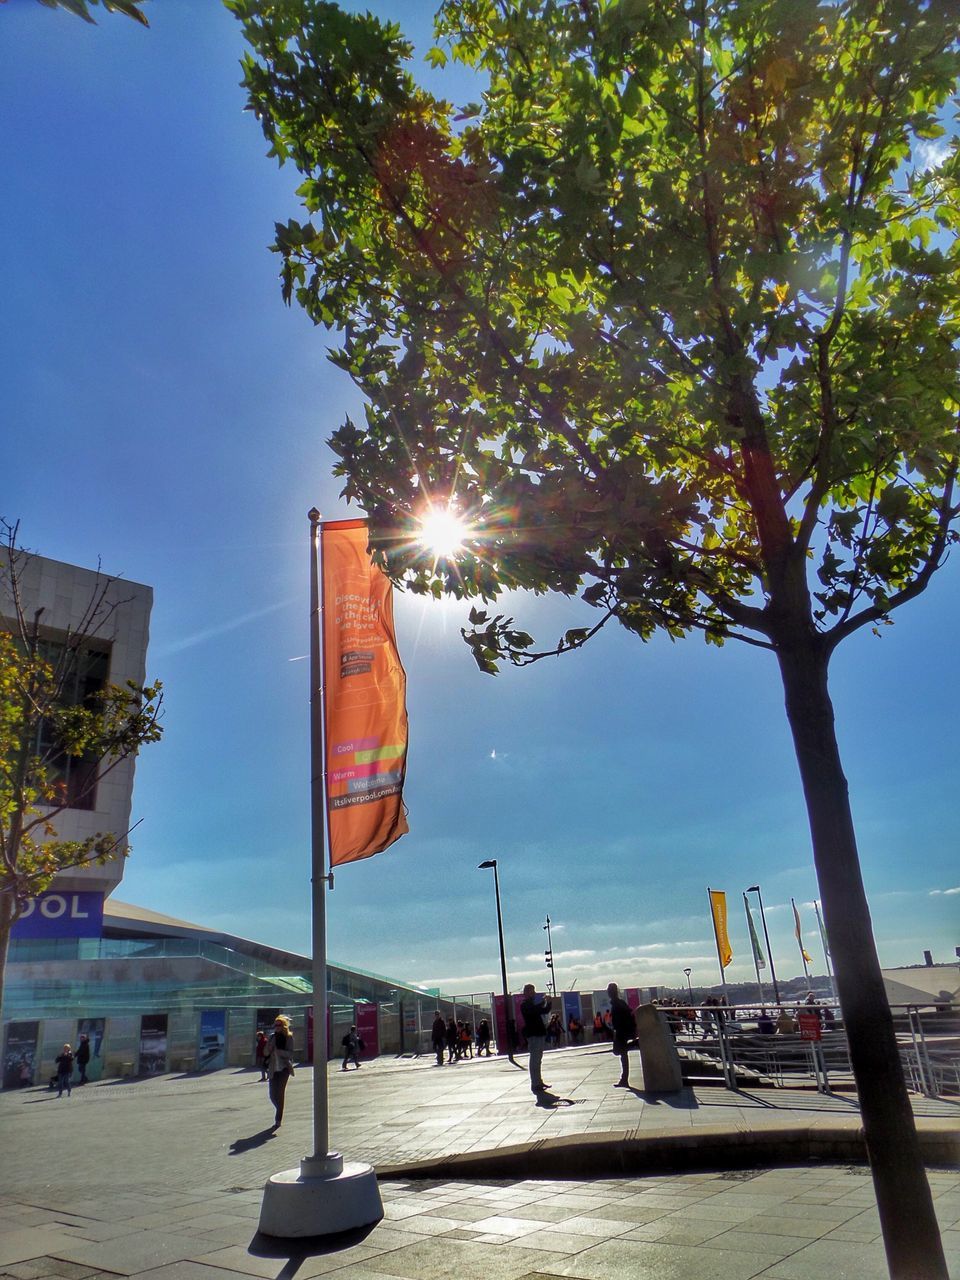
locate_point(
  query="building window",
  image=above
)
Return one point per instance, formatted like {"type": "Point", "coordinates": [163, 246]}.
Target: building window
{"type": "Point", "coordinates": [84, 673]}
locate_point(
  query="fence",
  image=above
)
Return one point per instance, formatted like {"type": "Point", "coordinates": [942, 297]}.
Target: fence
{"type": "Point", "coordinates": [928, 1038]}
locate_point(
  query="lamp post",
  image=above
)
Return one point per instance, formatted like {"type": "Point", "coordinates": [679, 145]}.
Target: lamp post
{"type": "Point", "coordinates": [689, 987]}
{"type": "Point", "coordinates": [549, 955]}
{"type": "Point", "coordinates": [755, 888]}
{"type": "Point", "coordinates": [507, 1002]}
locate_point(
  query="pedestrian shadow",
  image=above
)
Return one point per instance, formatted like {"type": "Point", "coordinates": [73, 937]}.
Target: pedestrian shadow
{"type": "Point", "coordinates": [681, 1100]}
{"type": "Point", "coordinates": [550, 1101]}
{"type": "Point", "coordinates": [240, 1145]}
{"type": "Point", "coordinates": [299, 1251]}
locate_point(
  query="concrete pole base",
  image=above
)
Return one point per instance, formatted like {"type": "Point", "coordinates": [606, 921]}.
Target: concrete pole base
{"type": "Point", "coordinates": [295, 1205]}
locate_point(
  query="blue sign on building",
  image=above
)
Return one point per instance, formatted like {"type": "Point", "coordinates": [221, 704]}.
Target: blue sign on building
{"type": "Point", "coordinates": [61, 915]}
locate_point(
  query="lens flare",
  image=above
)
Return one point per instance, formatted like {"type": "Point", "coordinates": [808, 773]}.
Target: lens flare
{"type": "Point", "coordinates": [442, 533]}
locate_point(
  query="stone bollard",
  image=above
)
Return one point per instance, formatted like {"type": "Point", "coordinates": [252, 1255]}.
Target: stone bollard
{"type": "Point", "coordinates": [659, 1059]}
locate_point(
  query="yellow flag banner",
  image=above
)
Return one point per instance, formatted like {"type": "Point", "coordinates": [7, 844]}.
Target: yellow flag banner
{"type": "Point", "coordinates": [364, 702]}
{"type": "Point", "coordinates": [796, 916]}
{"type": "Point", "coordinates": [718, 908]}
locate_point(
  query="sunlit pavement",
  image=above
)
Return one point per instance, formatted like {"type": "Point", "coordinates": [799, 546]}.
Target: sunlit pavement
{"type": "Point", "coordinates": [162, 1178]}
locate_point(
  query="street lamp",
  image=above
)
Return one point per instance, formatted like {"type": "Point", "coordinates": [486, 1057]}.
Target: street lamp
{"type": "Point", "coordinates": [689, 987]}
{"type": "Point", "coordinates": [755, 888]}
{"type": "Point", "coordinates": [549, 955]}
{"type": "Point", "coordinates": [507, 1002]}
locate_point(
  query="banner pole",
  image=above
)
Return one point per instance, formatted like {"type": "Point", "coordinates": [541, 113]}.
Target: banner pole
{"type": "Point", "coordinates": [322, 1197]}
{"type": "Point", "coordinates": [756, 958]}
{"type": "Point", "coordinates": [800, 941]}
{"type": "Point", "coordinates": [322, 1160]}
{"type": "Point", "coordinates": [826, 949]}
{"type": "Point", "coordinates": [716, 938]}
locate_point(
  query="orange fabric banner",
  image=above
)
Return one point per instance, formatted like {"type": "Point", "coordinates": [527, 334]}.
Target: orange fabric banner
{"type": "Point", "coordinates": [718, 907]}
{"type": "Point", "coordinates": [364, 702]}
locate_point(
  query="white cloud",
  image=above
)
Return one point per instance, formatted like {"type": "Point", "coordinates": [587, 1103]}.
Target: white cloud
{"type": "Point", "coordinates": [930, 154]}
{"type": "Point", "coordinates": [944, 892]}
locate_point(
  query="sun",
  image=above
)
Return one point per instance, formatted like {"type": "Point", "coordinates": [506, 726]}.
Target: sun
{"type": "Point", "coordinates": [442, 533]}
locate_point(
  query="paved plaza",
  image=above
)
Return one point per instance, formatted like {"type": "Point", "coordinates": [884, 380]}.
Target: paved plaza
{"type": "Point", "coordinates": [161, 1179]}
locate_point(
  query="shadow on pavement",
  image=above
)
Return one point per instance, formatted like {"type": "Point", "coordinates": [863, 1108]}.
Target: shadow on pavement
{"type": "Point", "coordinates": [298, 1251]}
{"type": "Point", "coordinates": [685, 1100]}
{"type": "Point", "coordinates": [240, 1145]}
{"type": "Point", "coordinates": [550, 1101]}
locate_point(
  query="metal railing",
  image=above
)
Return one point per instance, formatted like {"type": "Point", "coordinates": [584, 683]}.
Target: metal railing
{"type": "Point", "coordinates": [731, 1042]}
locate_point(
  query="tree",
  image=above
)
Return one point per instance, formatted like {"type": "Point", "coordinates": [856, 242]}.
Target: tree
{"type": "Point", "coordinates": [670, 317]}
{"type": "Point", "coordinates": [42, 727]}
{"type": "Point", "coordinates": [81, 8]}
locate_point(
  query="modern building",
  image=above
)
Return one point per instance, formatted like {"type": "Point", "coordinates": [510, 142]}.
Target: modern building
{"type": "Point", "coordinates": [152, 993]}
{"type": "Point", "coordinates": [155, 993]}
{"type": "Point", "coordinates": [113, 618]}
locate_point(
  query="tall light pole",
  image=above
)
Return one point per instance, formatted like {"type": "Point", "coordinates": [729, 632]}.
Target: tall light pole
{"type": "Point", "coordinates": [755, 888]}
{"type": "Point", "coordinates": [507, 1002]}
{"type": "Point", "coordinates": [689, 987]}
{"type": "Point", "coordinates": [549, 955]}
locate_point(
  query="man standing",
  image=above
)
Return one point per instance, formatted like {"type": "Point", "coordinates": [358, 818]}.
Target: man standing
{"type": "Point", "coordinates": [533, 1012]}
{"type": "Point", "coordinates": [624, 1030]}
{"type": "Point", "coordinates": [82, 1057]}
{"type": "Point", "coordinates": [438, 1035]}
{"type": "Point", "coordinates": [352, 1045]}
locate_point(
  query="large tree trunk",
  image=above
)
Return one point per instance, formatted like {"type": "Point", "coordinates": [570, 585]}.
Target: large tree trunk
{"type": "Point", "coordinates": [910, 1232]}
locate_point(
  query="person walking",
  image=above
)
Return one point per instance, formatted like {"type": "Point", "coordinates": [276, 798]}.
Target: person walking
{"type": "Point", "coordinates": [260, 1054]}
{"type": "Point", "coordinates": [624, 1026]}
{"type": "Point", "coordinates": [453, 1041]}
{"type": "Point", "coordinates": [64, 1070]}
{"type": "Point", "coordinates": [82, 1057]}
{"type": "Point", "coordinates": [352, 1044]}
{"type": "Point", "coordinates": [279, 1064]}
{"type": "Point", "coordinates": [438, 1036]}
{"type": "Point", "coordinates": [533, 1012]}
{"type": "Point", "coordinates": [483, 1038]}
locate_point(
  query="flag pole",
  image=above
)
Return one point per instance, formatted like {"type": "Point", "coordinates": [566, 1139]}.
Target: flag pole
{"type": "Point", "coordinates": [716, 938]}
{"type": "Point", "coordinates": [803, 954]}
{"type": "Point", "coordinates": [322, 1196]}
{"type": "Point", "coordinates": [753, 947]}
{"type": "Point", "coordinates": [322, 1162]}
{"type": "Point", "coordinates": [826, 948]}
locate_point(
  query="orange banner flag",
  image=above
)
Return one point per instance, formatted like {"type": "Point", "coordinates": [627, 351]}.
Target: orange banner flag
{"type": "Point", "coordinates": [718, 909]}
{"type": "Point", "coordinates": [364, 702]}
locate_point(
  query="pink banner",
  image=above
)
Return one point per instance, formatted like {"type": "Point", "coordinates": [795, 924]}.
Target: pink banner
{"type": "Point", "coordinates": [632, 997]}
{"type": "Point", "coordinates": [368, 1028]}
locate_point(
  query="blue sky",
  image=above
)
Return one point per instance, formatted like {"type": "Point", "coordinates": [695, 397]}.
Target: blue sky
{"type": "Point", "coordinates": [166, 413]}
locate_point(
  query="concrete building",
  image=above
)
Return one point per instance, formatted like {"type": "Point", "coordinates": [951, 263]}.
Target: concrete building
{"type": "Point", "coordinates": [114, 616]}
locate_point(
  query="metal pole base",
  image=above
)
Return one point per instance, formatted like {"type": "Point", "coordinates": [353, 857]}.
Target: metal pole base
{"type": "Point", "coordinates": [295, 1205]}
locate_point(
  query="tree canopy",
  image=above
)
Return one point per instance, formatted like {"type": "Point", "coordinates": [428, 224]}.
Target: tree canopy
{"type": "Point", "coordinates": [670, 315]}
{"type": "Point", "coordinates": [81, 8]}
{"type": "Point", "coordinates": [670, 318]}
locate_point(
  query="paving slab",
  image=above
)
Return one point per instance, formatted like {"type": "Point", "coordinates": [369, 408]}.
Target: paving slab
{"type": "Point", "coordinates": [162, 1179]}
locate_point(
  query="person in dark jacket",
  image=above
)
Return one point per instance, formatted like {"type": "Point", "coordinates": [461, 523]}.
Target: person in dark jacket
{"type": "Point", "coordinates": [483, 1038]}
{"type": "Point", "coordinates": [533, 1011]}
{"type": "Point", "coordinates": [453, 1041]}
{"type": "Point", "coordinates": [624, 1031]}
{"type": "Point", "coordinates": [280, 1064]}
{"type": "Point", "coordinates": [352, 1044]}
{"type": "Point", "coordinates": [260, 1054]}
{"type": "Point", "coordinates": [64, 1070]}
{"type": "Point", "coordinates": [82, 1057]}
{"type": "Point", "coordinates": [438, 1036]}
